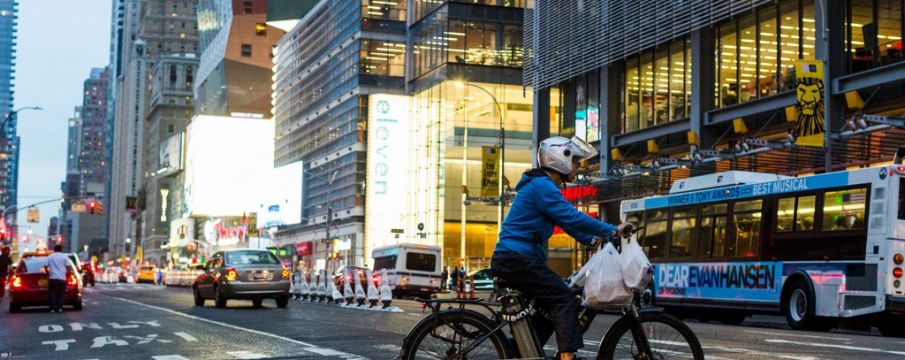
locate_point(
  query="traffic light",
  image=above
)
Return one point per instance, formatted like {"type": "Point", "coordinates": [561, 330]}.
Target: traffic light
{"type": "Point", "coordinates": [3, 234]}
{"type": "Point", "coordinates": [92, 206]}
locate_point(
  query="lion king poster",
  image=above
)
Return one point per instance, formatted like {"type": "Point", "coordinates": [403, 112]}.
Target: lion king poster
{"type": "Point", "coordinates": [809, 92]}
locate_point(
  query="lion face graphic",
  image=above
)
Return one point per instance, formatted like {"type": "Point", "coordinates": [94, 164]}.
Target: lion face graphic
{"type": "Point", "coordinates": [810, 106]}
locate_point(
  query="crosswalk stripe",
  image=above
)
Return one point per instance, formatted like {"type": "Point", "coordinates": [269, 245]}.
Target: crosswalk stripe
{"type": "Point", "coordinates": [169, 357]}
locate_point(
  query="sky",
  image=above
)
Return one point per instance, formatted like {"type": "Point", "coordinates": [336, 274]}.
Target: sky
{"type": "Point", "coordinates": [59, 42]}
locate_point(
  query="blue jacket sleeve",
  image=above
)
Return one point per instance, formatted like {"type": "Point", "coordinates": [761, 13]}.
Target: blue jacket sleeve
{"type": "Point", "coordinates": [551, 202]}
{"type": "Point", "coordinates": [579, 236]}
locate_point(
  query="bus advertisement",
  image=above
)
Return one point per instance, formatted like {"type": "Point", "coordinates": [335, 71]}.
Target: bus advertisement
{"type": "Point", "coordinates": [815, 249]}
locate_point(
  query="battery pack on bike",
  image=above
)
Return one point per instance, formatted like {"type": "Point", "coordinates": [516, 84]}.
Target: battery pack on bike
{"type": "Point", "coordinates": [519, 319]}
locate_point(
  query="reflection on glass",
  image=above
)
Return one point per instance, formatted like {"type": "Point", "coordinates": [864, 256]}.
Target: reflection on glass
{"type": "Point", "coordinates": [747, 234]}
{"type": "Point", "coordinates": [661, 97]}
{"type": "Point", "coordinates": [632, 90]}
{"type": "Point", "coordinates": [647, 89]}
{"type": "Point", "coordinates": [683, 225]}
{"type": "Point", "coordinates": [844, 210]}
{"type": "Point", "coordinates": [747, 58]}
{"type": "Point", "coordinates": [768, 45]}
{"type": "Point", "coordinates": [789, 39]}
{"type": "Point", "coordinates": [728, 64]}
{"type": "Point", "coordinates": [874, 33]}
{"type": "Point", "coordinates": [677, 100]}
{"type": "Point", "coordinates": [654, 242]}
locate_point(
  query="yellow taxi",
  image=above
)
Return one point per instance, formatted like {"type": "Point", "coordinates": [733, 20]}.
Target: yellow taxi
{"type": "Point", "coordinates": [147, 274]}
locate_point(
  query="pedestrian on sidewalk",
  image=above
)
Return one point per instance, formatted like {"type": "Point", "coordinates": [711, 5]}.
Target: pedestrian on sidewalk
{"type": "Point", "coordinates": [443, 277]}
{"type": "Point", "coordinates": [454, 282]}
{"type": "Point", "coordinates": [6, 262]}
{"type": "Point", "coordinates": [57, 263]}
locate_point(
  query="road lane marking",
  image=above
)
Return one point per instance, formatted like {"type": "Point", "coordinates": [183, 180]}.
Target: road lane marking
{"type": "Point", "coordinates": [185, 336]}
{"type": "Point", "coordinates": [735, 350]}
{"type": "Point", "coordinates": [77, 326]}
{"type": "Point", "coordinates": [52, 328]}
{"type": "Point", "coordinates": [59, 345]}
{"type": "Point", "coordinates": [169, 357]}
{"type": "Point", "coordinates": [102, 341]}
{"type": "Point", "coordinates": [834, 346]}
{"type": "Point", "coordinates": [798, 335]}
{"type": "Point", "coordinates": [307, 347]}
{"type": "Point", "coordinates": [244, 354]}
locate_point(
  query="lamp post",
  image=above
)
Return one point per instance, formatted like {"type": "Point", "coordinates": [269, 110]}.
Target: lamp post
{"type": "Point", "coordinates": [502, 141]}
{"type": "Point", "coordinates": [3, 129]}
{"type": "Point", "coordinates": [329, 220]}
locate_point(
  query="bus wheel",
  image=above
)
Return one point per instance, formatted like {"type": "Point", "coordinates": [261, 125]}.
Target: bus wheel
{"type": "Point", "coordinates": [891, 326]}
{"type": "Point", "coordinates": [798, 306]}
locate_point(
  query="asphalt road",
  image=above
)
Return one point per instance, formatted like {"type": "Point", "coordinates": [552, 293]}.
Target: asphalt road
{"type": "Point", "coordinates": [153, 322]}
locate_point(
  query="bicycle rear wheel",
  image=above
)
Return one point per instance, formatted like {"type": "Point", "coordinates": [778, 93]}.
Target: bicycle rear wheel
{"type": "Point", "coordinates": [669, 338]}
{"type": "Point", "coordinates": [447, 336]}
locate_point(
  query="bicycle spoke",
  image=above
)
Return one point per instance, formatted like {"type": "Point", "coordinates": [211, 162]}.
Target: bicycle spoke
{"type": "Point", "coordinates": [665, 343]}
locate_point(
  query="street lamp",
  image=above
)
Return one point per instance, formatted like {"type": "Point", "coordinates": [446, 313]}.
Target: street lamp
{"type": "Point", "coordinates": [3, 129]}
{"type": "Point", "coordinates": [329, 219]}
{"type": "Point", "coordinates": [502, 141]}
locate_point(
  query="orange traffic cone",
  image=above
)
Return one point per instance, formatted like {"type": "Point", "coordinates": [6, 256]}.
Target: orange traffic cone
{"type": "Point", "coordinates": [471, 293]}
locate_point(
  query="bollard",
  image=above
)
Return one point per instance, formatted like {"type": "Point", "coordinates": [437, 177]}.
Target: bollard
{"type": "Point", "coordinates": [373, 294]}
{"type": "Point", "coordinates": [359, 292]}
{"type": "Point", "coordinates": [471, 293]}
{"type": "Point", "coordinates": [347, 287]}
{"type": "Point", "coordinates": [303, 286]}
{"type": "Point", "coordinates": [335, 296]}
{"type": "Point", "coordinates": [386, 294]}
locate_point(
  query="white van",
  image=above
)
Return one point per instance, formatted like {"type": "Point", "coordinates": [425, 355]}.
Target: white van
{"type": "Point", "coordinates": [411, 268]}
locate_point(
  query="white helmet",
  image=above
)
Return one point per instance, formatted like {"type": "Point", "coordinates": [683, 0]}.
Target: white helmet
{"type": "Point", "coordinates": [556, 153]}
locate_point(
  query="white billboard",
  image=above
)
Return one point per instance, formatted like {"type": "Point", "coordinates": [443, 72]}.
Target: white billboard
{"type": "Point", "coordinates": [228, 165]}
{"type": "Point", "coordinates": [387, 169]}
{"type": "Point", "coordinates": [171, 153]}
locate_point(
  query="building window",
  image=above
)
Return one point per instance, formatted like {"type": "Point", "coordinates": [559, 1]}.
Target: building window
{"type": "Point", "coordinates": [873, 33]}
{"type": "Point", "coordinates": [382, 58]}
{"type": "Point", "coordinates": [756, 53]}
{"type": "Point", "coordinates": [683, 226]}
{"type": "Point", "coordinates": [246, 50]}
{"type": "Point", "coordinates": [261, 29]}
{"type": "Point", "coordinates": [189, 77]}
{"type": "Point", "coordinates": [747, 219]}
{"type": "Point", "coordinates": [384, 10]}
{"type": "Point", "coordinates": [657, 86]}
{"type": "Point", "coordinates": [844, 210]}
{"type": "Point", "coordinates": [171, 128]}
{"type": "Point", "coordinates": [248, 7]}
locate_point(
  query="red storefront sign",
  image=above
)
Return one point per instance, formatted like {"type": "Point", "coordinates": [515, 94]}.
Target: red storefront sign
{"type": "Point", "coordinates": [303, 248]}
{"type": "Point", "coordinates": [587, 192]}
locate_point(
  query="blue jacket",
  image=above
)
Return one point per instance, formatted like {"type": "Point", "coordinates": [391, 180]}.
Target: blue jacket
{"type": "Point", "coordinates": [537, 207]}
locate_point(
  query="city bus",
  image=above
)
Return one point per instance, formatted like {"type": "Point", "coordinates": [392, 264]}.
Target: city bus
{"type": "Point", "coordinates": [815, 249]}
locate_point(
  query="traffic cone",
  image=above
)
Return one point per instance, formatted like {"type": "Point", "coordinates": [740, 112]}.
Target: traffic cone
{"type": "Point", "coordinates": [471, 293]}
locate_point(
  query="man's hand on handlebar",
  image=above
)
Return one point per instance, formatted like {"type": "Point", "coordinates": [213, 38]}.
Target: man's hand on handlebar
{"type": "Point", "coordinates": [625, 230]}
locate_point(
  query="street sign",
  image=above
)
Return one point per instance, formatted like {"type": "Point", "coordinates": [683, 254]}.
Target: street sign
{"type": "Point", "coordinates": [397, 231]}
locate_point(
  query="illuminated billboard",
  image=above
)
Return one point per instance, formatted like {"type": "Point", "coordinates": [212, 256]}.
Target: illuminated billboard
{"type": "Point", "coordinates": [171, 153]}
{"type": "Point", "coordinates": [283, 204]}
{"type": "Point", "coordinates": [228, 165]}
{"type": "Point", "coordinates": [387, 169]}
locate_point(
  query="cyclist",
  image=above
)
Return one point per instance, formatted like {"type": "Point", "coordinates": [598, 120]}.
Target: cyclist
{"type": "Point", "coordinates": [520, 257]}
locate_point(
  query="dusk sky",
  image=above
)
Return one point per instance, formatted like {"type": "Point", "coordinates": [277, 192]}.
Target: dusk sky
{"type": "Point", "coordinates": [59, 42]}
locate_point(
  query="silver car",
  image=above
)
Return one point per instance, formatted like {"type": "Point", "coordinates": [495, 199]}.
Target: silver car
{"type": "Point", "coordinates": [248, 274]}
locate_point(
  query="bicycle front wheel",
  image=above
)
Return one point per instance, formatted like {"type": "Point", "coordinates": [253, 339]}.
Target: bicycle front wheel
{"type": "Point", "coordinates": [455, 335]}
{"type": "Point", "coordinates": [667, 336]}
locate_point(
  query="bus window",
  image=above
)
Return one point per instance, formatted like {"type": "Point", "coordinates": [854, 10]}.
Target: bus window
{"type": "Point", "coordinates": [655, 234]}
{"type": "Point", "coordinates": [804, 213]}
{"type": "Point", "coordinates": [747, 218]}
{"type": "Point", "coordinates": [634, 218]}
{"type": "Point", "coordinates": [385, 262]}
{"type": "Point", "coordinates": [785, 214]}
{"type": "Point", "coordinates": [844, 209]}
{"type": "Point", "coordinates": [713, 231]}
{"type": "Point", "coordinates": [683, 223]}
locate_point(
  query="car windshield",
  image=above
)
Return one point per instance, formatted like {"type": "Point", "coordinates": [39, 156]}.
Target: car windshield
{"type": "Point", "coordinates": [251, 258]}
{"type": "Point", "coordinates": [32, 265]}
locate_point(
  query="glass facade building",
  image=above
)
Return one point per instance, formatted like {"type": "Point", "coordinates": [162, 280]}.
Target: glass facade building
{"type": "Point", "coordinates": [464, 76]}
{"type": "Point", "coordinates": [9, 140]}
{"type": "Point", "coordinates": [326, 69]}
{"type": "Point", "coordinates": [671, 79]}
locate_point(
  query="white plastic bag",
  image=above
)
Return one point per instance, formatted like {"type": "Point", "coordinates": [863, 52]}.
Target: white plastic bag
{"type": "Point", "coordinates": [637, 271]}
{"type": "Point", "coordinates": [604, 285]}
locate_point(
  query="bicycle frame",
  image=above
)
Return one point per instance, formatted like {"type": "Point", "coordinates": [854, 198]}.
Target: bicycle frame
{"type": "Point", "coordinates": [499, 321]}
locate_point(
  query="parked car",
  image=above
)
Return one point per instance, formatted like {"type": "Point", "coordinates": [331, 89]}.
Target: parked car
{"type": "Point", "coordinates": [248, 274]}
{"type": "Point", "coordinates": [147, 274]}
{"type": "Point", "coordinates": [29, 284]}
